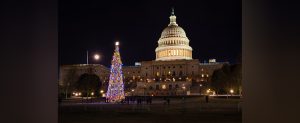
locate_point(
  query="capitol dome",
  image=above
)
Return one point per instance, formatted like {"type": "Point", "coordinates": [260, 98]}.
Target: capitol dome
{"type": "Point", "coordinates": [173, 31]}
{"type": "Point", "coordinates": [173, 43]}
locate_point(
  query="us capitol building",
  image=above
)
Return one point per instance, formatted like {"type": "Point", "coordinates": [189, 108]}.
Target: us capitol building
{"type": "Point", "coordinates": [173, 72]}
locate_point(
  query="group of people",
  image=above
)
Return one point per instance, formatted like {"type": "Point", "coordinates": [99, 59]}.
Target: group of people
{"type": "Point", "coordinates": [138, 100]}
{"type": "Point", "coordinates": [167, 100]}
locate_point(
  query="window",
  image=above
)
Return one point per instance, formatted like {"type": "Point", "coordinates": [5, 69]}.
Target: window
{"type": "Point", "coordinates": [173, 66]}
{"type": "Point", "coordinates": [174, 74]}
{"type": "Point", "coordinates": [163, 86]}
{"type": "Point", "coordinates": [157, 67]}
{"type": "Point", "coordinates": [180, 66]}
{"type": "Point", "coordinates": [180, 73]}
{"type": "Point", "coordinates": [170, 86]}
{"type": "Point", "coordinates": [157, 87]}
{"type": "Point", "coordinates": [150, 88]}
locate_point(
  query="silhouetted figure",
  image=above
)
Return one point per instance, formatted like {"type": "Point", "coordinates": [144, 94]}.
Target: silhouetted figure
{"type": "Point", "coordinates": [147, 100]}
{"type": "Point", "coordinates": [150, 100]}
{"type": "Point", "coordinates": [183, 100]}
{"type": "Point", "coordinates": [206, 98]}
{"type": "Point", "coordinates": [139, 101]}
{"type": "Point", "coordinates": [168, 101]}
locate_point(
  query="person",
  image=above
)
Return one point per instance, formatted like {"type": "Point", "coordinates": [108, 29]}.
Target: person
{"type": "Point", "coordinates": [127, 99]}
{"type": "Point", "coordinates": [168, 101]}
{"type": "Point", "coordinates": [206, 98]}
{"type": "Point", "coordinates": [148, 100]}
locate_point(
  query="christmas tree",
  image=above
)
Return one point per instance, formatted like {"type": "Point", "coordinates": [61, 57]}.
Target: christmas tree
{"type": "Point", "coordinates": [115, 91]}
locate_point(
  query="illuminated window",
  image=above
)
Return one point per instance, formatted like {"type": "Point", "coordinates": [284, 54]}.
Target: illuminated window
{"type": "Point", "coordinates": [150, 88]}
{"type": "Point", "coordinates": [157, 73]}
{"type": "Point", "coordinates": [202, 75]}
{"type": "Point", "coordinates": [163, 86]}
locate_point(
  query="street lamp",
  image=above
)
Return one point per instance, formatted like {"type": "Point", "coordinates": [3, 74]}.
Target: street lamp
{"type": "Point", "coordinates": [200, 85]}
{"type": "Point", "coordinates": [231, 91]}
{"type": "Point", "coordinates": [207, 91]}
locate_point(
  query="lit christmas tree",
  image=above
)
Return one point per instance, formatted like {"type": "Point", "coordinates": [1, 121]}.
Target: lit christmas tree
{"type": "Point", "coordinates": [115, 91]}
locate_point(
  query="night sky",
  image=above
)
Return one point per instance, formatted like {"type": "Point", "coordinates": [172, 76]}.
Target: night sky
{"type": "Point", "coordinates": [213, 27]}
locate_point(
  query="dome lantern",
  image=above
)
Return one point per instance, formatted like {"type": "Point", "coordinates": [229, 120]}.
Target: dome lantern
{"type": "Point", "coordinates": [172, 18]}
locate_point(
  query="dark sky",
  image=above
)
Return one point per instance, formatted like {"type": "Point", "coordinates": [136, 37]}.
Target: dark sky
{"type": "Point", "coordinates": [213, 27]}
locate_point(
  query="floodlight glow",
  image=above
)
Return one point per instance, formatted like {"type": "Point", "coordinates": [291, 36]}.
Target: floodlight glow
{"type": "Point", "coordinates": [97, 57]}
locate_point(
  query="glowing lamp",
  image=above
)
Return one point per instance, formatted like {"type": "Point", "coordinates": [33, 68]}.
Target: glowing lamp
{"type": "Point", "coordinates": [97, 57]}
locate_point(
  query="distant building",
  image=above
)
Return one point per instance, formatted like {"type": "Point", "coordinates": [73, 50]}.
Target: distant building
{"type": "Point", "coordinates": [69, 74]}
{"type": "Point", "coordinates": [174, 69]}
{"type": "Point", "coordinates": [173, 72]}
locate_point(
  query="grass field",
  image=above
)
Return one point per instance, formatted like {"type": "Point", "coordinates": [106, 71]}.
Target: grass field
{"type": "Point", "coordinates": [194, 110]}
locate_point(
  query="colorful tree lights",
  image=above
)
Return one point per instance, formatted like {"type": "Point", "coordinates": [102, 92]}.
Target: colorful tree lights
{"type": "Point", "coordinates": [115, 91]}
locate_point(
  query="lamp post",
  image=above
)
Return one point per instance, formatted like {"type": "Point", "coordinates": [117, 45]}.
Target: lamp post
{"type": "Point", "coordinates": [231, 91]}
{"type": "Point", "coordinates": [200, 85]}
